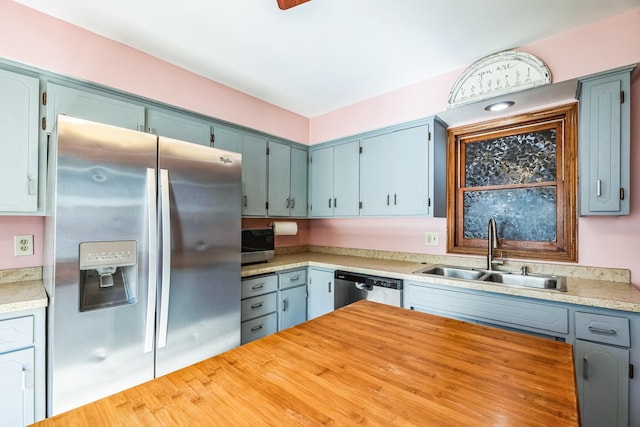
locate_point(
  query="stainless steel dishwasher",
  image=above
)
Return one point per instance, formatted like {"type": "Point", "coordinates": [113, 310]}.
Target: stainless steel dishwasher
{"type": "Point", "coordinates": [352, 287]}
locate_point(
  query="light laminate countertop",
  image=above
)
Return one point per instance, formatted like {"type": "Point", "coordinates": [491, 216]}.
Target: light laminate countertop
{"type": "Point", "coordinates": [23, 295]}
{"type": "Point", "coordinates": [588, 292]}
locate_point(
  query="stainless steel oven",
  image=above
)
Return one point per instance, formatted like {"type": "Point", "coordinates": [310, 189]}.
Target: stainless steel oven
{"type": "Point", "coordinates": [351, 287]}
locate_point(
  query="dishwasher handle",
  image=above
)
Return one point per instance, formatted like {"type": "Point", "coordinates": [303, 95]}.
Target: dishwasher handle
{"type": "Point", "coordinates": [363, 286]}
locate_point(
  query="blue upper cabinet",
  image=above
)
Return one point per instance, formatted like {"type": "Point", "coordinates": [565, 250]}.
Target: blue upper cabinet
{"type": "Point", "coordinates": [394, 177]}
{"type": "Point", "coordinates": [254, 166]}
{"type": "Point", "coordinates": [287, 180]}
{"type": "Point", "coordinates": [91, 106]}
{"type": "Point", "coordinates": [334, 180]}
{"type": "Point", "coordinates": [19, 142]}
{"type": "Point", "coordinates": [178, 126]}
{"type": "Point", "coordinates": [604, 143]}
{"type": "Point", "coordinates": [403, 171]}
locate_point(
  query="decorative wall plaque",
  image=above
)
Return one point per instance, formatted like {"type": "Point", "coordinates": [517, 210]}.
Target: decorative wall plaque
{"type": "Point", "coordinates": [499, 74]}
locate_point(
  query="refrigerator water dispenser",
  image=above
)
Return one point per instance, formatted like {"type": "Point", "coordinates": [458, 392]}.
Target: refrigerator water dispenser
{"type": "Point", "coordinates": [108, 274]}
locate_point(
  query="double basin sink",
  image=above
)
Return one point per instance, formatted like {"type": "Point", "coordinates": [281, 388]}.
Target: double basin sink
{"type": "Point", "coordinates": [526, 280]}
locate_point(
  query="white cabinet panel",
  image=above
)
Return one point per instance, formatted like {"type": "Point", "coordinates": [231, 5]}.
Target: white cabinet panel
{"type": "Point", "coordinates": [19, 112]}
{"type": "Point", "coordinates": [90, 106]}
{"type": "Point", "coordinates": [178, 126]}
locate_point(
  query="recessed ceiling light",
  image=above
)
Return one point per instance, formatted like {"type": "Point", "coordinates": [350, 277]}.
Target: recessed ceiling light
{"type": "Point", "coordinates": [499, 106]}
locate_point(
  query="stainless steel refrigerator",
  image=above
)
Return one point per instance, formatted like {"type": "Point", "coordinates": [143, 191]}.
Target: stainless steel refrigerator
{"type": "Point", "coordinates": [142, 258]}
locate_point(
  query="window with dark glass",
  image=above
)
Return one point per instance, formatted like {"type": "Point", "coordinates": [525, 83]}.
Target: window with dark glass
{"type": "Point", "coordinates": [521, 171]}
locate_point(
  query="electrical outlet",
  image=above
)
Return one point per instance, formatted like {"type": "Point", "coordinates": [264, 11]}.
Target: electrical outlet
{"type": "Point", "coordinates": [23, 244]}
{"type": "Point", "coordinates": [431, 238]}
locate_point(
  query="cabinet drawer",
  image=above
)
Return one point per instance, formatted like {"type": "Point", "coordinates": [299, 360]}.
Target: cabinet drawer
{"type": "Point", "coordinates": [16, 333]}
{"type": "Point", "coordinates": [258, 306]}
{"type": "Point", "coordinates": [602, 328]}
{"type": "Point", "coordinates": [258, 328]}
{"type": "Point", "coordinates": [259, 285]}
{"type": "Point", "coordinates": [290, 279]}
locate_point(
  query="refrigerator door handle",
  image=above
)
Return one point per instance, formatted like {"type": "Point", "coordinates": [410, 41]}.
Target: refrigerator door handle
{"type": "Point", "coordinates": [166, 258]}
{"type": "Point", "coordinates": [153, 260]}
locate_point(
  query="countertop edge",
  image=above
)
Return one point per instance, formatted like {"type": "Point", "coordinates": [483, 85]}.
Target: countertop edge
{"type": "Point", "coordinates": [23, 295]}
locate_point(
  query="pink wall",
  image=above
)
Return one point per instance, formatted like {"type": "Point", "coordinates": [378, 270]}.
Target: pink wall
{"type": "Point", "coordinates": [604, 45]}
{"type": "Point", "coordinates": [14, 226]}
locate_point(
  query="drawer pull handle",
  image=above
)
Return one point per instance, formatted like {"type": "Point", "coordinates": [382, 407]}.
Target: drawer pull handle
{"type": "Point", "coordinates": [293, 279]}
{"type": "Point", "coordinates": [285, 305]}
{"type": "Point", "coordinates": [257, 305]}
{"type": "Point", "coordinates": [256, 287]}
{"type": "Point", "coordinates": [256, 328]}
{"type": "Point", "coordinates": [602, 330]}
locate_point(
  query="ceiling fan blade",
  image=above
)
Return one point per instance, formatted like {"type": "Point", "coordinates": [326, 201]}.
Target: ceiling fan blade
{"type": "Point", "coordinates": [287, 4]}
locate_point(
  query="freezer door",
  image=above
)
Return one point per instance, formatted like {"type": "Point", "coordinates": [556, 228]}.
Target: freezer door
{"type": "Point", "coordinates": [200, 219]}
{"type": "Point", "coordinates": [104, 191]}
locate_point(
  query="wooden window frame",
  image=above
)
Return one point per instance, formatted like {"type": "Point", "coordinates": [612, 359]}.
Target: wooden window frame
{"type": "Point", "coordinates": [564, 248]}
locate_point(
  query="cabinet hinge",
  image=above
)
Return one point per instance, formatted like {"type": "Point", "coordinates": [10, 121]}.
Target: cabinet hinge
{"type": "Point", "coordinates": [44, 123]}
{"type": "Point", "coordinates": [621, 97]}
{"type": "Point", "coordinates": [428, 201]}
{"type": "Point", "coordinates": [267, 151]}
{"type": "Point", "coordinates": [631, 371]}
{"type": "Point", "coordinates": [360, 150]}
{"type": "Point", "coordinates": [44, 98]}
{"type": "Point", "coordinates": [622, 194]}
{"type": "Point", "coordinates": [429, 136]}
{"type": "Point", "coordinates": [360, 205]}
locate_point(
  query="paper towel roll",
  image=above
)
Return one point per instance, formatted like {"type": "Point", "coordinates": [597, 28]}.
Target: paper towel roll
{"type": "Point", "coordinates": [285, 228]}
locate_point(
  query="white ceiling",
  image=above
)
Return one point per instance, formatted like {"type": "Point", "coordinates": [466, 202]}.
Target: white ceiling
{"type": "Point", "coordinates": [326, 54]}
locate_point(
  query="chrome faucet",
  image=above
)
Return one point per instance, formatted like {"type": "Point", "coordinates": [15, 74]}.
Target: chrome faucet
{"type": "Point", "coordinates": [492, 243]}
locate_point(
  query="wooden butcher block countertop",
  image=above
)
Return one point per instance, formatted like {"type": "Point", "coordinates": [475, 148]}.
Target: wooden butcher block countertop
{"type": "Point", "coordinates": [366, 363]}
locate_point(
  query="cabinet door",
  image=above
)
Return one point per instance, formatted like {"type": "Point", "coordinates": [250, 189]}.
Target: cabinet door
{"type": "Point", "coordinates": [19, 111]}
{"type": "Point", "coordinates": [227, 139]}
{"type": "Point", "coordinates": [375, 173]}
{"type": "Point", "coordinates": [603, 384]}
{"type": "Point", "coordinates": [604, 145]}
{"type": "Point", "coordinates": [178, 126]}
{"type": "Point", "coordinates": [292, 307]}
{"type": "Point", "coordinates": [17, 404]}
{"type": "Point", "coordinates": [409, 171]}
{"type": "Point", "coordinates": [279, 179]}
{"type": "Point", "coordinates": [299, 170]}
{"type": "Point", "coordinates": [90, 106]}
{"type": "Point", "coordinates": [254, 175]}
{"type": "Point", "coordinates": [321, 292]}
{"type": "Point", "coordinates": [322, 182]}
{"type": "Point", "coordinates": [346, 179]}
